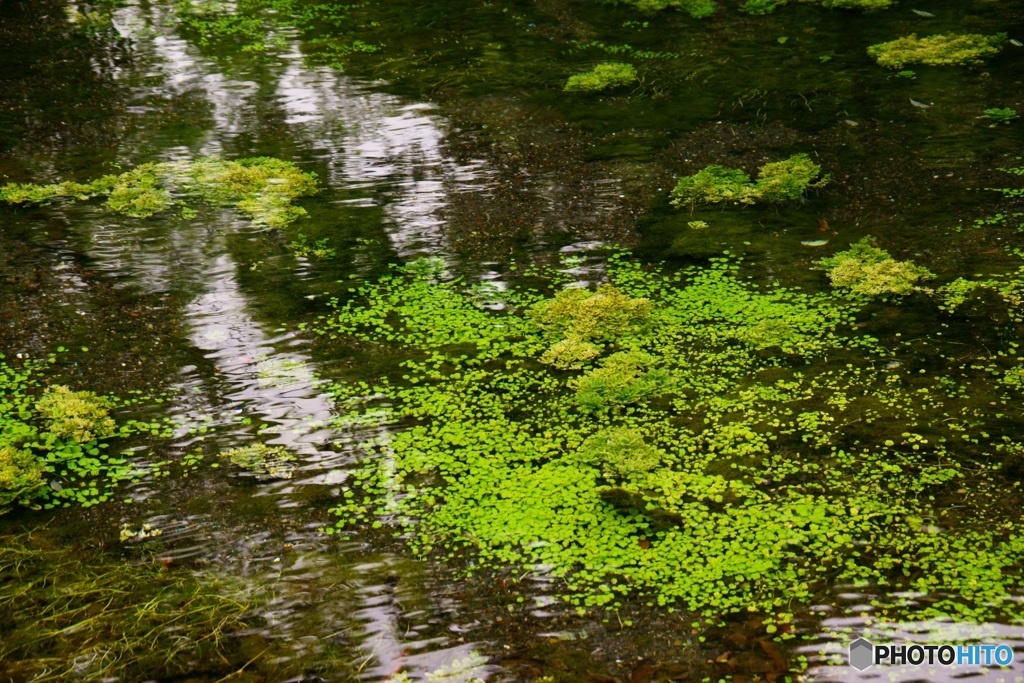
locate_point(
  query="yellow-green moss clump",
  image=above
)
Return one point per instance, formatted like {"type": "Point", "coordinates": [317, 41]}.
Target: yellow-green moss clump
{"type": "Point", "coordinates": [777, 181]}
{"type": "Point", "coordinates": [938, 50]}
{"type": "Point", "coordinates": [602, 77]}
{"type": "Point", "coordinates": [21, 477]}
{"type": "Point", "coordinates": [603, 315]}
{"type": "Point", "coordinates": [77, 415]}
{"type": "Point", "coordinates": [262, 188]}
{"type": "Point", "coordinates": [870, 271]}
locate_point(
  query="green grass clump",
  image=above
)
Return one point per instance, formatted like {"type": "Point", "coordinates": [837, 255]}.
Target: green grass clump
{"type": "Point", "coordinates": [778, 181]}
{"type": "Point", "coordinates": [602, 77]}
{"type": "Point", "coordinates": [266, 462]}
{"type": "Point", "coordinates": [262, 188]}
{"type": "Point", "coordinates": [870, 271]}
{"type": "Point", "coordinates": [937, 50]}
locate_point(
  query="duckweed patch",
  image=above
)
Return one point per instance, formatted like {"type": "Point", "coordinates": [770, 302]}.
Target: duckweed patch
{"type": "Point", "coordinates": [869, 271]}
{"type": "Point", "coordinates": [778, 181]}
{"type": "Point", "coordinates": [733, 449]}
{"type": "Point", "coordinates": [261, 188]}
{"type": "Point", "coordinates": [602, 77]}
{"type": "Point", "coordinates": [938, 50]}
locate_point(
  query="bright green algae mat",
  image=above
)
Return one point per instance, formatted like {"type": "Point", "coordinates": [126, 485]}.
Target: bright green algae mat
{"type": "Point", "coordinates": [691, 439]}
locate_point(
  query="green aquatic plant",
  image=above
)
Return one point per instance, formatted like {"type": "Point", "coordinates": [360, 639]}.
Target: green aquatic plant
{"type": "Point", "coordinates": [698, 9]}
{"type": "Point", "coordinates": [620, 453]}
{"type": "Point", "coordinates": [604, 76]}
{"type": "Point", "coordinates": [768, 6]}
{"type": "Point", "coordinates": [262, 188]}
{"type": "Point", "coordinates": [622, 378]}
{"type": "Point", "coordinates": [265, 462]}
{"type": "Point", "coordinates": [94, 619]}
{"type": "Point", "coordinates": [602, 315]}
{"type": "Point", "coordinates": [21, 477]}
{"type": "Point", "coordinates": [304, 247]}
{"type": "Point", "coordinates": [694, 467]}
{"type": "Point", "coordinates": [571, 354]}
{"type": "Point", "coordinates": [778, 181]}
{"type": "Point", "coordinates": [54, 443]}
{"type": "Point", "coordinates": [869, 271]}
{"type": "Point", "coordinates": [938, 50]}
{"type": "Point", "coordinates": [999, 115]}
{"type": "Point", "coordinates": [77, 415]}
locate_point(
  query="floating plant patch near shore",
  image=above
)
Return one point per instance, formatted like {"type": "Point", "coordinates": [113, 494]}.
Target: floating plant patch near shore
{"type": "Point", "coordinates": [707, 444]}
{"type": "Point", "coordinates": [262, 188]}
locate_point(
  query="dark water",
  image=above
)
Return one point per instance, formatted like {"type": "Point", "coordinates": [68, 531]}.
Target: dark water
{"type": "Point", "coordinates": [453, 141]}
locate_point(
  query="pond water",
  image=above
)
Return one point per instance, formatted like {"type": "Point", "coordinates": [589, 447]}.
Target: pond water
{"type": "Point", "coordinates": [440, 130]}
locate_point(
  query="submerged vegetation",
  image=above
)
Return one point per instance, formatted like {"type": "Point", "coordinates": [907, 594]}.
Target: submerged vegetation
{"type": "Point", "coordinates": [265, 462]}
{"type": "Point", "coordinates": [778, 181]}
{"type": "Point", "coordinates": [661, 454]}
{"type": "Point", "coordinates": [77, 619]}
{"type": "Point", "coordinates": [261, 188]}
{"type": "Point", "coordinates": [937, 50]}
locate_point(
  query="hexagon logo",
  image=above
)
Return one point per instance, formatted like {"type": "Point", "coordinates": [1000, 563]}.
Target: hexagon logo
{"type": "Point", "coordinates": [862, 654]}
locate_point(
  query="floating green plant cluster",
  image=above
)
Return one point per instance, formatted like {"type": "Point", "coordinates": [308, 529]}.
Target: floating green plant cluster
{"type": "Point", "coordinates": [602, 77]}
{"type": "Point", "coordinates": [938, 50]}
{"type": "Point", "coordinates": [261, 188]}
{"type": "Point", "coordinates": [778, 181]}
{"type": "Point", "coordinates": [54, 443]}
{"type": "Point", "coordinates": [690, 439]}
{"type": "Point", "coordinates": [869, 271]}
